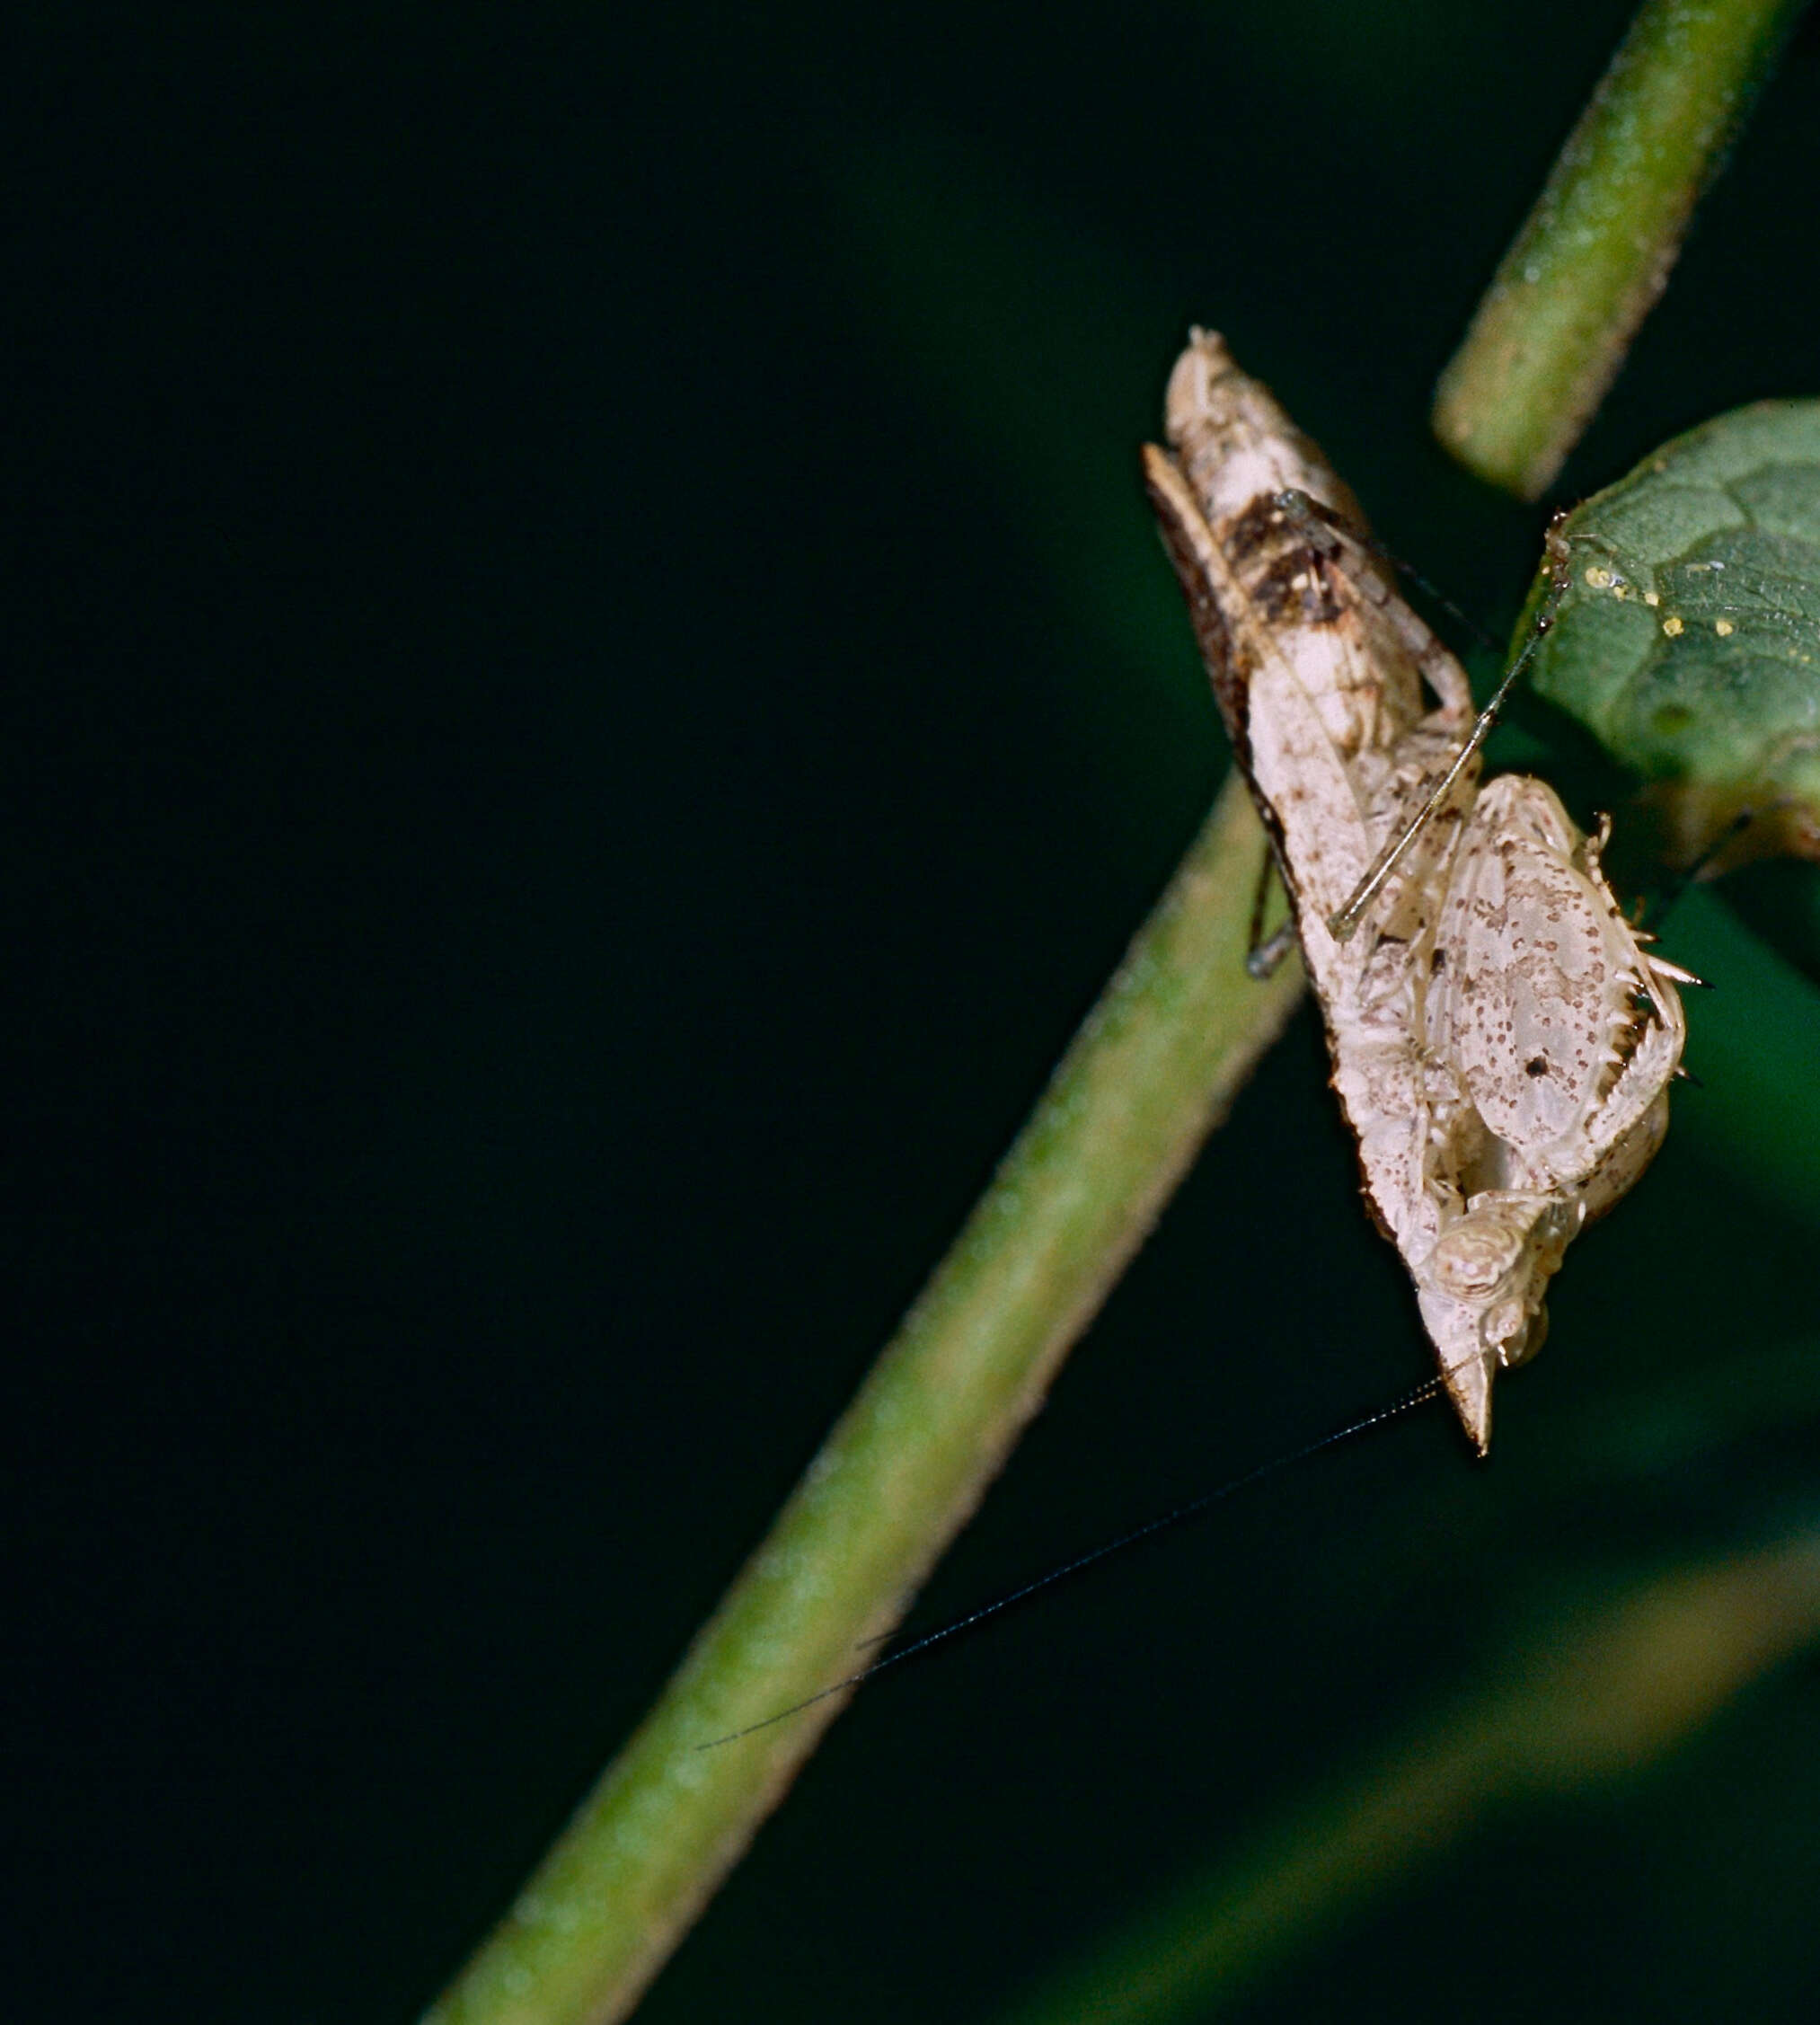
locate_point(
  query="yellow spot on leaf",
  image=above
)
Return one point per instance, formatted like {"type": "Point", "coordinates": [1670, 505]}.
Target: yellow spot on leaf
{"type": "Point", "coordinates": [1723, 628]}
{"type": "Point", "coordinates": [1673, 628]}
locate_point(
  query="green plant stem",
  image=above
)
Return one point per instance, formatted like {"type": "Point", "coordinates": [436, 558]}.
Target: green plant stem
{"type": "Point", "coordinates": [1613, 1686]}
{"type": "Point", "coordinates": [1594, 253]}
{"type": "Point", "coordinates": [1158, 1060]}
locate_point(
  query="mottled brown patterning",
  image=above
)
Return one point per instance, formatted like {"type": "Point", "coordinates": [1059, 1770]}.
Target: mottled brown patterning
{"type": "Point", "coordinates": [1501, 1041]}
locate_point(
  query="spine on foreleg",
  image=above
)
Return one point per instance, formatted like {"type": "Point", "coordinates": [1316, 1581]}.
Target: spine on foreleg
{"type": "Point", "coordinates": [1501, 1044]}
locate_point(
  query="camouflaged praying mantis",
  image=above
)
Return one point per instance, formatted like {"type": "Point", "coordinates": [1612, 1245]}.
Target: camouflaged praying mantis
{"type": "Point", "coordinates": [1502, 1039]}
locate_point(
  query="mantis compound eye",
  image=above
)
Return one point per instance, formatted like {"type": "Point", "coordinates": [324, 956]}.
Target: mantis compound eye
{"type": "Point", "coordinates": [1482, 991]}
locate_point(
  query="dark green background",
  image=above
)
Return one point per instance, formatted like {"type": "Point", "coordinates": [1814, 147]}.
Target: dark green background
{"type": "Point", "coordinates": [591, 699]}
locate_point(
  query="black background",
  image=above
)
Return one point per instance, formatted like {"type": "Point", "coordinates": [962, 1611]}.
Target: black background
{"type": "Point", "coordinates": [591, 699]}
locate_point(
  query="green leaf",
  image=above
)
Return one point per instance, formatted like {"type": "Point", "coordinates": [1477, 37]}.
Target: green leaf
{"type": "Point", "coordinates": [1687, 637]}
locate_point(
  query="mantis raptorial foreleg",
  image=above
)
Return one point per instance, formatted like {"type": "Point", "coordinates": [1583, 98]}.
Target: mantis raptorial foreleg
{"type": "Point", "coordinates": [1502, 1041]}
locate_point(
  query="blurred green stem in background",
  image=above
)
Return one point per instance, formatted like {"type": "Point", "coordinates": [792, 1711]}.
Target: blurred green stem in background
{"type": "Point", "coordinates": [1594, 254]}
{"type": "Point", "coordinates": [1153, 1068]}
{"type": "Point", "coordinates": [1622, 1681]}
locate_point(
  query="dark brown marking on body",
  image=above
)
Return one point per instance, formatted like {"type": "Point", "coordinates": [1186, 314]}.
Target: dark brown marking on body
{"type": "Point", "coordinates": [1351, 525]}
{"type": "Point", "coordinates": [1226, 655]}
{"type": "Point", "coordinates": [1227, 659]}
{"type": "Point", "coordinates": [1257, 527]}
{"type": "Point", "coordinates": [1296, 590]}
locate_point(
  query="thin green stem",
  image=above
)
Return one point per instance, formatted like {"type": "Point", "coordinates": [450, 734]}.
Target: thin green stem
{"type": "Point", "coordinates": [1596, 251]}
{"type": "Point", "coordinates": [1158, 1060]}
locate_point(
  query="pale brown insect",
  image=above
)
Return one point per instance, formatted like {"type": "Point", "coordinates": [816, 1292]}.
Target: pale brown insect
{"type": "Point", "coordinates": [1502, 1041]}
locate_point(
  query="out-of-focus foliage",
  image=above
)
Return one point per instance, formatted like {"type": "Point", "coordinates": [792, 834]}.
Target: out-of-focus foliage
{"type": "Point", "coordinates": [1598, 1693]}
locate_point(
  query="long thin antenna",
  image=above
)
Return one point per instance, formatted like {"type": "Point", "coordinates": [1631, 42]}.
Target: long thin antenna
{"type": "Point", "coordinates": [1363, 537]}
{"type": "Point", "coordinates": [1179, 1515]}
{"type": "Point", "coordinates": [1342, 926]}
